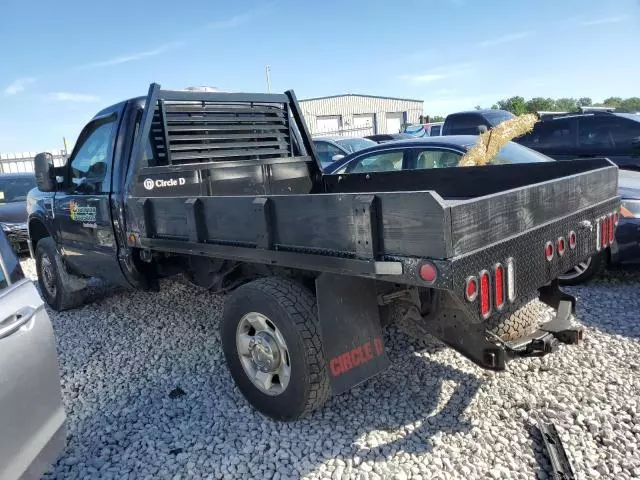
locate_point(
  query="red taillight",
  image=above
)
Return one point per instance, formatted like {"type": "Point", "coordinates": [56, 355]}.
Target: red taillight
{"type": "Point", "coordinates": [499, 286]}
{"type": "Point", "coordinates": [560, 246]}
{"type": "Point", "coordinates": [548, 251]}
{"type": "Point", "coordinates": [572, 239]}
{"type": "Point", "coordinates": [611, 228]}
{"type": "Point", "coordinates": [471, 289]}
{"type": "Point", "coordinates": [428, 272]}
{"type": "Point", "coordinates": [485, 299]}
{"type": "Point", "coordinates": [604, 228]}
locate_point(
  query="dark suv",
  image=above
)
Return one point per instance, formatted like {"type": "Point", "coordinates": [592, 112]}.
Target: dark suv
{"type": "Point", "coordinates": [601, 134]}
{"type": "Point", "coordinates": [474, 122]}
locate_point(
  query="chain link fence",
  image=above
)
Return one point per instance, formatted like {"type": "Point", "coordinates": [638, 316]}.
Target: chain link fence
{"type": "Point", "coordinates": [23, 162]}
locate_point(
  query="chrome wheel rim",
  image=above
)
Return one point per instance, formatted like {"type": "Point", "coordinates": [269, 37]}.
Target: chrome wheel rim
{"type": "Point", "coordinates": [576, 271]}
{"type": "Point", "coordinates": [48, 276]}
{"type": "Point", "coordinates": [263, 353]}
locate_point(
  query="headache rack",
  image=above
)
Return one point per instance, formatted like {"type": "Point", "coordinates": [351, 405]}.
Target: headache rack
{"type": "Point", "coordinates": [190, 127]}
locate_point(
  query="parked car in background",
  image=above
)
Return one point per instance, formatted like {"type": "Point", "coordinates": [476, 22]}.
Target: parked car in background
{"type": "Point", "coordinates": [474, 121]}
{"type": "Point", "coordinates": [32, 417]}
{"type": "Point", "coordinates": [331, 149]}
{"type": "Point", "coordinates": [626, 248]}
{"type": "Point", "coordinates": [444, 152]}
{"type": "Point", "coordinates": [428, 152]}
{"type": "Point", "coordinates": [389, 137]}
{"type": "Point", "coordinates": [433, 129]}
{"type": "Point", "coordinates": [584, 135]}
{"type": "Point", "coordinates": [13, 208]}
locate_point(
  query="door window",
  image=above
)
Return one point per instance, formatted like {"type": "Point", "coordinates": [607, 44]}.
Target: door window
{"type": "Point", "coordinates": [607, 133]}
{"type": "Point", "coordinates": [90, 163]}
{"type": "Point", "coordinates": [551, 134]}
{"type": "Point", "coordinates": [378, 162]}
{"type": "Point", "coordinates": [436, 158]}
{"type": "Point", "coordinates": [10, 269]}
{"type": "Point", "coordinates": [326, 152]}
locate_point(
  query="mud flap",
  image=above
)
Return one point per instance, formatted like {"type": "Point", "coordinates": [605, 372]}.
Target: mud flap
{"type": "Point", "coordinates": [350, 329]}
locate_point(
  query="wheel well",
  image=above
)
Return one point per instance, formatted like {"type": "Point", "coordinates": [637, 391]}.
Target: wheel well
{"type": "Point", "coordinates": [37, 231]}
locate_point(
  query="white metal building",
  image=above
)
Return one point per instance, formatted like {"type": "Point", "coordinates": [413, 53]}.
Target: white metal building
{"type": "Point", "coordinates": [359, 115]}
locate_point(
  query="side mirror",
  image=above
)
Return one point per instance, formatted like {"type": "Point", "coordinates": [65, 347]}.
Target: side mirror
{"type": "Point", "coordinates": [43, 166]}
{"type": "Point", "coordinates": [337, 157]}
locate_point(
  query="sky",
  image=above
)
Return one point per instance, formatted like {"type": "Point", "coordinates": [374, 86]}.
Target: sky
{"type": "Point", "coordinates": [62, 61]}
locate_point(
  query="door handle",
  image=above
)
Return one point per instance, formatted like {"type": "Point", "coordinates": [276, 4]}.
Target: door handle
{"type": "Point", "coordinates": [12, 323]}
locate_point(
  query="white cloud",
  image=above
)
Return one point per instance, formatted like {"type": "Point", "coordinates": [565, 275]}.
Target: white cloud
{"type": "Point", "coordinates": [74, 97]}
{"type": "Point", "coordinates": [18, 85]}
{"type": "Point", "coordinates": [132, 57]}
{"type": "Point", "coordinates": [512, 37]}
{"type": "Point", "coordinates": [603, 21]}
{"type": "Point", "coordinates": [439, 73]}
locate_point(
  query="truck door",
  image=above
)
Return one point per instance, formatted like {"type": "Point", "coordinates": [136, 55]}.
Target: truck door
{"type": "Point", "coordinates": [82, 209]}
{"type": "Point", "coordinates": [32, 418]}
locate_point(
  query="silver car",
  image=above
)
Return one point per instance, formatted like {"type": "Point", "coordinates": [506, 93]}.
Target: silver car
{"type": "Point", "coordinates": [32, 417]}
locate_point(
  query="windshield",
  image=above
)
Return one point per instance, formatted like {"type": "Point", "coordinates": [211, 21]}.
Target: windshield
{"type": "Point", "coordinates": [354, 144]}
{"type": "Point", "coordinates": [514, 153]}
{"type": "Point", "coordinates": [15, 189]}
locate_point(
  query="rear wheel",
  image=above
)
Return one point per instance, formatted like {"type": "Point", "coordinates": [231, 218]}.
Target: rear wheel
{"type": "Point", "coordinates": [271, 341]}
{"type": "Point", "coordinates": [584, 271]}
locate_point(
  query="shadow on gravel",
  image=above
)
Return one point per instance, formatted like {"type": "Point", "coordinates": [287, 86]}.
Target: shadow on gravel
{"type": "Point", "coordinates": [611, 302]}
{"type": "Point", "coordinates": [406, 409]}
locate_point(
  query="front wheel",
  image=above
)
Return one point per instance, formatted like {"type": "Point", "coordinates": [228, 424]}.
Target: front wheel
{"type": "Point", "coordinates": [584, 271]}
{"type": "Point", "coordinates": [52, 278]}
{"type": "Point", "coordinates": [271, 341]}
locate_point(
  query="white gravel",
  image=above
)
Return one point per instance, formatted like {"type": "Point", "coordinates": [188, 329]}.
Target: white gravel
{"type": "Point", "coordinates": [433, 415]}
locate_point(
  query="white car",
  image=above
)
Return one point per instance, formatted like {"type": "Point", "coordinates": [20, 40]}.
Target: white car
{"type": "Point", "coordinates": [32, 417]}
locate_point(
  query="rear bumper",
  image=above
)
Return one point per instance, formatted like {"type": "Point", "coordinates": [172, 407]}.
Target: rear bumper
{"type": "Point", "coordinates": [19, 239]}
{"type": "Point", "coordinates": [527, 251]}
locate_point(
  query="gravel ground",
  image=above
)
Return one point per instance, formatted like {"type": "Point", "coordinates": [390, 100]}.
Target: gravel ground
{"type": "Point", "coordinates": [148, 396]}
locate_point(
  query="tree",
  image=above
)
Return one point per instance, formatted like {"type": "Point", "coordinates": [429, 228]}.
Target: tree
{"type": "Point", "coordinates": [567, 104]}
{"type": "Point", "coordinates": [631, 104]}
{"type": "Point", "coordinates": [585, 102]}
{"type": "Point", "coordinates": [478, 107]}
{"type": "Point", "coordinates": [539, 104]}
{"type": "Point", "coordinates": [515, 105]}
{"type": "Point", "coordinates": [436, 118]}
{"type": "Point", "coordinates": [612, 101]}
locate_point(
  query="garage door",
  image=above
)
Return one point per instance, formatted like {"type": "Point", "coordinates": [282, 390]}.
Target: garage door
{"type": "Point", "coordinates": [363, 125]}
{"type": "Point", "coordinates": [327, 124]}
{"type": "Point", "coordinates": [394, 122]}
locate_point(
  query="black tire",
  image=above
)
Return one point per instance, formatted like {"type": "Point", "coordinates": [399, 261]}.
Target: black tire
{"type": "Point", "coordinates": [523, 321]}
{"type": "Point", "coordinates": [596, 266]}
{"type": "Point", "coordinates": [64, 297]}
{"type": "Point", "coordinates": [292, 308]}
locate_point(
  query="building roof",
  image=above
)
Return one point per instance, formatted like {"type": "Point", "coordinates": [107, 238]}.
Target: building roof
{"type": "Point", "coordinates": [361, 95]}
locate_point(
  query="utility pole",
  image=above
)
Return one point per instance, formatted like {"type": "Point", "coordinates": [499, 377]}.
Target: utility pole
{"type": "Point", "coordinates": [267, 72]}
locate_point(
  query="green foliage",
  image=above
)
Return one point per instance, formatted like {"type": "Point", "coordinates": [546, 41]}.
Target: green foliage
{"type": "Point", "coordinates": [612, 101]}
{"type": "Point", "coordinates": [518, 106]}
{"type": "Point", "coordinates": [539, 104]}
{"type": "Point", "coordinates": [515, 105]}
{"type": "Point", "coordinates": [436, 118]}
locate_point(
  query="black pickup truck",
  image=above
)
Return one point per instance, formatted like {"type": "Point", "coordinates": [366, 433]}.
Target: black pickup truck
{"type": "Point", "coordinates": [226, 189]}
